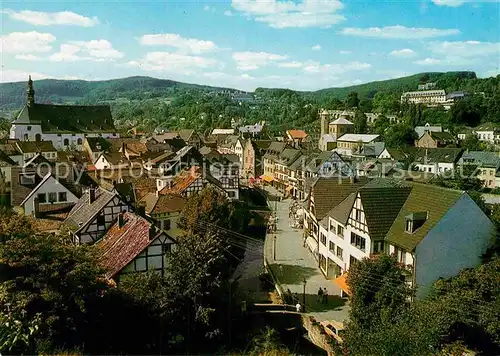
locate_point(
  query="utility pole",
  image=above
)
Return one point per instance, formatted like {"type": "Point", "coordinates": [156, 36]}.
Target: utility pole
{"type": "Point", "coordinates": [274, 247]}
{"type": "Point", "coordinates": [304, 295]}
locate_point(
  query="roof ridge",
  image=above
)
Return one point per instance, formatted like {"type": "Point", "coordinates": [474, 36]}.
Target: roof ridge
{"type": "Point", "coordinates": [434, 186]}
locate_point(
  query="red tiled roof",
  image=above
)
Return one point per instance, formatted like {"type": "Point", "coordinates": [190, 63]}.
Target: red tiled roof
{"type": "Point", "coordinates": [47, 208]}
{"type": "Point", "coordinates": [120, 246]}
{"type": "Point", "coordinates": [297, 133]}
{"type": "Point", "coordinates": [182, 181]}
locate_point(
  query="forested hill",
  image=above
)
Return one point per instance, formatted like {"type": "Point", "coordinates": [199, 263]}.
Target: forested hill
{"type": "Point", "coordinates": [13, 95]}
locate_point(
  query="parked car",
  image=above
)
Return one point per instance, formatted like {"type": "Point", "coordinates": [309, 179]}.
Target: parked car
{"type": "Point", "coordinates": [334, 329]}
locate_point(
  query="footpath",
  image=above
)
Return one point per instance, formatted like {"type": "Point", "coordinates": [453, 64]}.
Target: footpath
{"type": "Point", "coordinates": [292, 263]}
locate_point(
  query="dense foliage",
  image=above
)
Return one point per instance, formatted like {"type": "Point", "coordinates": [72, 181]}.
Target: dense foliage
{"type": "Point", "coordinates": [460, 313]}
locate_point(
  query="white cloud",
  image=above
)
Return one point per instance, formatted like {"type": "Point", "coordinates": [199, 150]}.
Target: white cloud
{"type": "Point", "coordinates": [283, 14]}
{"type": "Point", "coordinates": [404, 53]}
{"type": "Point", "coordinates": [95, 50]}
{"type": "Point", "coordinates": [51, 18]}
{"type": "Point", "coordinates": [450, 3]}
{"type": "Point", "coordinates": [333, 69]}
{"type": "Point", "coordinates": [446, 61]}
{"type": "Point", "coordinates": [185, 45]}
{"type": "Point", "coordinates": [398, 32]}
{"type": "Point", "coordinates": [228, 13]}
{"type": "Point", "coordinates": [344, 52]}
{"type": "Point", "coordinates": [16, 75]}
{"type": "Point", "coordinates": [173, 62]}
{"type": "Point", "coordinates": [254, 60]}
{"type": "Point", "coordinates": [293, 64]}
{"type": "Point", "coordinates": [28, 57]}
{"type": "Point", "coordinates": [316, 48]}
{"type": "Point", "coordinates": [206, 8]}
{"type": "Point", "coordinates": [465, 48]}
{"type": "Point", "coordinates": [26, 42]}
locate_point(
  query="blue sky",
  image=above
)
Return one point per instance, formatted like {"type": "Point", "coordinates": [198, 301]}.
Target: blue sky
{"type": "Point", "coordinates": [303, 44]}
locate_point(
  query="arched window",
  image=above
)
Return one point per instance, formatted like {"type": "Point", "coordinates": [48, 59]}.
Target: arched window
{"type": "Point", "coordinates": [66, 142]}
{"type": "Point", "coordinates": [26, 138]}
{"type": "Point", "coordinates": [38, 137]}
{"type": "Point", "coordinates": [79, 141]}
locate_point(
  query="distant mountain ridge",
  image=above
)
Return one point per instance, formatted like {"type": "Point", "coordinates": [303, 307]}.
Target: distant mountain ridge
{"type": "Point", "coordinates": [13, 95]}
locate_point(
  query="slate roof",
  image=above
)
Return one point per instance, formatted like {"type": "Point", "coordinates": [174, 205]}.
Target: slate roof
{"type": "Point", "coordinates": [162, 204]}
{"type": "Point", "coordinates": [274, 149]}
{"type": "Point", "coordinates": [437, 155]}
{"type": "Point", "coordinates": [329, 192]}
{"type": "Point", "coordinates": [351, 137]}
{"type": "Point", "coordinates": [420, 130]}
{"type": "Point", "coordinates": [35, 146]}
{"type": "Point", "coordinates": [443, 136]}
{"type": "Point", "coordinates": [6, 161]}
{"type": "Point", "coordinates": [341, 212]}
{"type": "Point", "coordinates": [71, 118]}
{"type": "Point", "coordinates": [341, 121]}
{"type": "Point", "coordinates": [10, 149]}
{"type": "Point", "coordinates": [402, 154]}
{"type": "Point", "coordinates": [481, 158]}
{"type": "Point", "coordinates": [288, 155]}
{"type": "Point", "coordinates": [42, 182]}
{"type": "Point", "coordinates": [431, 198]}
{"type": "Point", "coordinates": [94, 142]}
{"type": "Point", "coordinates": [142, 185]}
{"type": "Point", "coordinates": [84, 211]}
{"type": "Point", "coordinates": [487, 126]}
{"type": "Point", "coordinates": [120, 245]}
{"type": "Point", "coordinates": [381, 207]}
{"type": "Point", "coordinates": [262, 144]}
{"type": "Point", "coordinates": [115, 158]}
{"type": "Point", "coordinates": [253, 129]}
{"type": "Point", "coordinates": [373, 149]}
{"type": "Point", "coordinates": [166, 136]}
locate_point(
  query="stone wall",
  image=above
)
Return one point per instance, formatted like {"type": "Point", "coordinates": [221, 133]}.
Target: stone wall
{"type": "Point", "coordinates": [317, 334]}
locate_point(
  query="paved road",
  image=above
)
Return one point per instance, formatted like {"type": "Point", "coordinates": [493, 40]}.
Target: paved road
{"type": "Point", "coordinates": [298, 263]}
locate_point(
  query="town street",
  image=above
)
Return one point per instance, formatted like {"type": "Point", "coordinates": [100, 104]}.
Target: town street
{"type": "Point", "coordinates": [293, 263]}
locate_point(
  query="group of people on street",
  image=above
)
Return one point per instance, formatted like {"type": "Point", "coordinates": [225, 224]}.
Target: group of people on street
{"type": "Point", "coordinates": [322, 296]}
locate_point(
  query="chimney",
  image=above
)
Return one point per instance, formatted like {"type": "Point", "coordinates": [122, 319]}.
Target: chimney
{"type": "Point", "coordinates": [36, 208]}
{"type": "Point", "coordinates": [91, 195]}
{"type": "Point", "coordinates": [152, 231]}
{"type": "Point", "coordinates": [121, 220]}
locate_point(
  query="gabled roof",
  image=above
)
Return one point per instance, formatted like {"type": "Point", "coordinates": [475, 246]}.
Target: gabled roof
{"type": "Point", "coordinates": [84, 211]}
{"type": "Point", "coordinates": [487, 126]}
{"type": "Point", "coordinates": [35, 146]}
{"type": "Point", "coordinates": [438, 155]}
{"type": "Point", "coordinates": [364, 138]}
{"type": "Point", "coordinates": [10, 149]}
{"type": "Point", "coordinates": [114, 158]}
{"type": "Point", "coordinates": [288, 156]}
{"type": "Point", "coordinates": [261, 144]}
{"type": "Point", "coordinates": [161, 204]}
{"type": "Point", "coordinates": [341, 121]}
{"type": "Point", "coordinates": [35, 160]}
{"type": "Point", "coordinates": [121, 244]}
{"type": "Point", "coordinates": [70, 118]}
{"type": "Point", "coordinates": [420, 130]}
{"type": "Point", "coordinates": [434, 200]}
{"type": "Point", "coordinates": [186, 134]}
{"type": "Point", "coordinates": [274, 149]}
{"type": "Point", "coordinates": [222, 132]}
{"type": "Point", "coordinates": [98, 144]}
{"type": "Point", "coordinates": [443, 136]}
{"type": "Point", "coordinates": [329, 192]}
{"type": "Point", "coordinates": [481, 158]}
{"type": "Point", "coordinates": [381, 207]}
{"type": "Point", "coordinates": [296, 134]}
{"type": "Point", "coordinates": [166, 136]}
{"type": "Point", "coordinates": [341, 212]}
{"type": "Point", "coordinates": [6, 161]}
{"type": "Point", "coordinates": [402, 153]}
{"type": "Point", "coordinates": [42, 182]}
{"type": "Point", "coordinates": [142, 185]}
{"type": "Point", "coordinates": [182, 181]}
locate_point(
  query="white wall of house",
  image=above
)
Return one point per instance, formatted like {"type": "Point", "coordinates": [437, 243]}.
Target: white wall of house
{"type": "Point", "coordinates": [24, 132]}
{"type": "Point", "coordinates": [50, 189]}
{"type": "Point", "coordinates": [435, 168]}
{"type": "Point", "coordinates": [456, 242]}
{"type": "Point", "coordinates": [152, 258]}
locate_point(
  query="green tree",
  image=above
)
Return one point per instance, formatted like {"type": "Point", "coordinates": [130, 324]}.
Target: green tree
{"type": "Point", "coordinates": [13, 225]}
{"type": "Point", "coordinates": [382, 123]}
{"type": "Point", "coordinates": [471, 142]}
{"type": "Point", "coordinates": [46, 278]}
{"type": "Point", "coordinates": [400, 135]}
{"type": "Point", "coordinates": [352, 100]}
{"type": "Point", "coordinates": [360, 122]}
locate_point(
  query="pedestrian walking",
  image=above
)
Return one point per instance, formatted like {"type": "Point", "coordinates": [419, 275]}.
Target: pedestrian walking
{"type": "Point", "coordinates": [320, 295]}
{"type": "Point", "coordinates": [298, 307]}
{"type": "Point", "coordinates": [325, 296]}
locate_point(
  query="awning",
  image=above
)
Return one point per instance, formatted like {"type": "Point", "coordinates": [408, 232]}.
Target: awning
{"type": "Point", "coordinates": [267, 178]}
{"type": "Point", "coordinates": [342, 283]}
{"type": "Point", "coordinates": [289, 188]}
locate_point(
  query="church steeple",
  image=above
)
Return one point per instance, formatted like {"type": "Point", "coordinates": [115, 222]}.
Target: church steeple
{"type": "Point", "coordinates": [30, 93]}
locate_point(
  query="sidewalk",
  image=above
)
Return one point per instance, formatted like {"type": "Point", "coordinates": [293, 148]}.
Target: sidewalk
{"type": "Point", "coordinates": [297, 264]}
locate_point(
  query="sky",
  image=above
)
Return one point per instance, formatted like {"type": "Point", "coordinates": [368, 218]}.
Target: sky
{"type": "Point", "coordinates": [245, 44]}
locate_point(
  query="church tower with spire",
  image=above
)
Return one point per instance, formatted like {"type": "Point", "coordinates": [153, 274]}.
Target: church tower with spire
{"type": "Point", "coordinates": [30, 93]}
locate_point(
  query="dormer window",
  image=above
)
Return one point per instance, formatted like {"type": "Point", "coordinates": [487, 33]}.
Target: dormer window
{"type": "Point", "coordinates": [415, 221]}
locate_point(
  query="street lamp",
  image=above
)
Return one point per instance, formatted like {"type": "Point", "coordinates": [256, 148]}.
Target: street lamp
{"type": "Point", "coordinates": [274, 247]}
{"type": "Point", "coordinates": [304, 294]}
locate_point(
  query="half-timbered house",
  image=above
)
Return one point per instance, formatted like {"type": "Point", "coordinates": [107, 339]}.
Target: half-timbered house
{"type": "Point", "coordinates": [93, 214]}
{"type": "Point", "coordinates": [165, 210]}
{"type": "Point", "coordinates": [188, 182]}
{"type": "Point", "coordinates": [133, 244]}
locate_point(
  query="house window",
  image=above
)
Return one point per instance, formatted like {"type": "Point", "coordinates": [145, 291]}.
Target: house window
{"type": "Point", "coordinates": [409, 227]}
{"type": "Point", "coordinates": [29, 128]}
{"type": "Point", "coordinates": [101, 221]}
{"type": "Point", "coordinates": [352, 260]}
{"type": "Point", "coordinates": [332, 227]}
{"type": "Point", "coordinates": [26, 137]}
{"type": "Point", "coordinates": [66, 142]}
{"type": "Point", "coordinates": [79, 141]}
{"type": "Point", "coordinates": [166, 248]}
{"type": "Point", "coordinates": [27, 179]}
{"type": "Point", "coordinates": [38, 137]}
{"type": "Point", "coordinates": [323, 239]}
{"type": "Point", "coordinates": [400, 254]}
{"type": "Point", "coordinates": [231, 194]}
{"type": "Point", "coordinates": [340, 253]}
{"type": "Point", "coordinates": [358, 241]}
{"type": "Point", "coordinates": [63, 196]}
{"type": "Point", "coordinates": [357, 214]}
{"type": "Point", "coordinates": [52, 197]}
{"type": "Point", "coordinates": [378, 246]}
{"type": "Point", "coordinates": [340, 230]}
{"type": "Point", "coordinates": [42, 198]}
{"type": "Point", "coordinates": [332, 247]}
{"type": "Point", "coordinates": [167, 224]}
